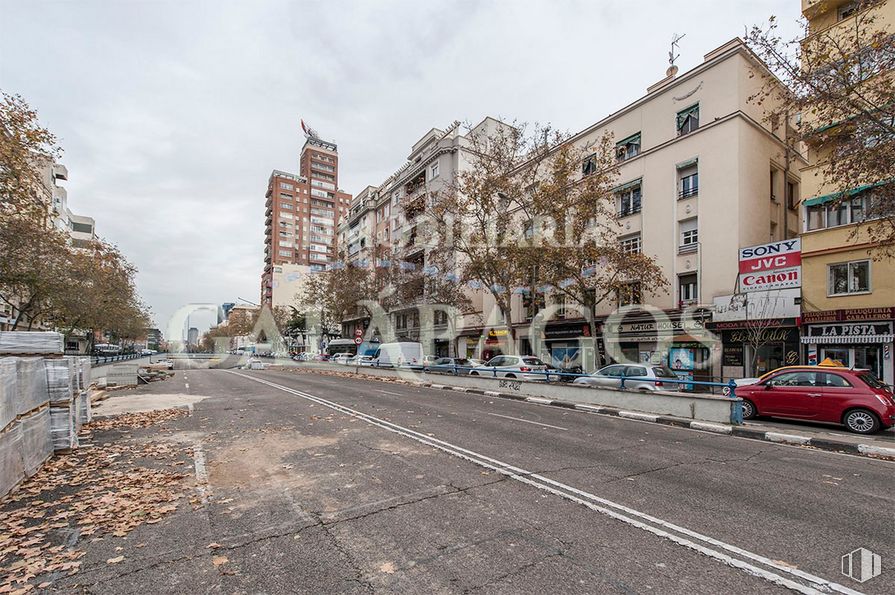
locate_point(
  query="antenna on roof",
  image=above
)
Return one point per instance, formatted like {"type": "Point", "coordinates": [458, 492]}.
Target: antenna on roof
{"type": "Point", "coordinates": [675, 45]}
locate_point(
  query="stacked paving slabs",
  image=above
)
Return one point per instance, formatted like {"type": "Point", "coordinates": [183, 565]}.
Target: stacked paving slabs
{"type": "Point", "coordinates": [41, 394]}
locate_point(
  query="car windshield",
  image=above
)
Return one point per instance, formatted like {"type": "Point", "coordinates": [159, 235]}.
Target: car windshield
{"type": "Point", "coordinates": [872, 381]}
{"type": "Point", "coordinates": [533, 361]}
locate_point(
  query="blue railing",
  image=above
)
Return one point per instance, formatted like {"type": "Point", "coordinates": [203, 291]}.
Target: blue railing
{"type": "Point", "coordinates": [98, 360]}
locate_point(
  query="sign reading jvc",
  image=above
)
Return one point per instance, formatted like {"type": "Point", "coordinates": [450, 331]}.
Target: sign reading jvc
{"type": "Point", "coordinates": [776, 265]}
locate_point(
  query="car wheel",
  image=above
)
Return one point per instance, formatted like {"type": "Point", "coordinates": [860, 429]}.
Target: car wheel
{"type": "Point", "coordinates": [473, 373]}
{"type": "Point", "coordinates": [749, 411]}
{"type": "Point", "coordinates": [510, 376]}
{"type": "Point", "coordinates": [861, 421]}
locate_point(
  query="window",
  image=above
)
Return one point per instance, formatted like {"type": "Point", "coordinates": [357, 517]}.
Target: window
{"type": "Point", "coordinates": [320, 184]}
{"type": "Point", "coordinates": [833, 380]}
{"type": "Point", "coordinates": [629, 200]}
{"type": "Point", "coordinates": [285, 253]}
{"type": "Point", "coordinates": [286, 186]}
{"type": "Point", "coordinates": [846, 10]}
{"type": "Point", "coordinates": [688, 120]}
{"type": "Point", "coordinates": [772, 184]}
{"type": "Point", "coordinates": [688, 291]}
{"type": "Point", "coordinates": [689, 234]}
{"type": "Point", "coordinates": [286, 196]}
{"type": "Point", "coordinates": [285, 205]}
{"type": "Point", "coordinates": [842, 212]}
{"type": "Point", "coordinates": [794, 379]}
{"type": "Point", "coordinates": [689, 185]}
{"type": "Point", "coordinates": [319, 193]}
{"type": "Point", "coordinates": [631, 244]}
{"type": "Point", "coordinates": [433, 171]}
{"type": "Point", "coordinates": [849, 277]}
{"type": "Point", "coordinates": [630, 293]}
{"type": "Point", "coordinates": [589, 165]}
{"type": "Point", "coordinates": [792, 194]}
{"type": "Point", "coordinates": [628, 148]}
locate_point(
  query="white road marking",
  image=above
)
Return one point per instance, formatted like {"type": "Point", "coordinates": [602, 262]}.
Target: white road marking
{"type": "Point", "coordinates": [187, 386]}
{"type": "Point", "coordinates": [659, 527]}
{"type": "Point", "coordinates": [537, 423]}
{"type": "Point", "coordinates": [389, 393]}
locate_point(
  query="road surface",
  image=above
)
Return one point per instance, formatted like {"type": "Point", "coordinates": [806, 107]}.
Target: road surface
{"type": "Point", "coordinates": [327, 484]}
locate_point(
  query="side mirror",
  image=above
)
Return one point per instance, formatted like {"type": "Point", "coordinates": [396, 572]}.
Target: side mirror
{"type": "Point", "coordinates": [768, 386]}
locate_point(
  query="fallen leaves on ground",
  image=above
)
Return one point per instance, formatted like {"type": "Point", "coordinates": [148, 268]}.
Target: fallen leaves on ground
{"type": "Point", "coordinates": [93, 492]}
{"type": "Point", "coordinates": [219, 560]}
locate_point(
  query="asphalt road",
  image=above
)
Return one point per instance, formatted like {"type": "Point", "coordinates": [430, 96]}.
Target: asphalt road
{"type": "Point", "coordinates": [327, 484]}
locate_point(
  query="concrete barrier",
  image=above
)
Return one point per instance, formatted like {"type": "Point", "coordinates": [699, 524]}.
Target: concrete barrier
{"type": "Point", "coordinates": [709, 408]}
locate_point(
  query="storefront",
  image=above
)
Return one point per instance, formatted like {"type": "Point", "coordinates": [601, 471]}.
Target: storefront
{"type": "Point", "coordinates": [752, 348]}
{"type": "Point", "coordinates": [859, 338]}
{"type": "Point", "coordinates": [564, 346]}
{"type": "Point", "coordinates": [683, 343]}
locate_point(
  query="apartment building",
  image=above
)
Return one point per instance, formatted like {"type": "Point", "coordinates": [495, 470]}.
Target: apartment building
{"type": "Point", "coordinates": [385, 228]}
{"type": "Point", "coordinates": [848, 297]}
{"type": "Point", "coordinates": [302, 215]}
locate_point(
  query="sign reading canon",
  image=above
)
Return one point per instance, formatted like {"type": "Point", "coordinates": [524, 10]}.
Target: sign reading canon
{"type": "Point", "coordinates": [777, 265]}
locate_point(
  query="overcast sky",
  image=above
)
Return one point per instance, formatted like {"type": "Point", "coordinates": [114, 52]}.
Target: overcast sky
{"type": "Point", "coordinates": [172, 113]}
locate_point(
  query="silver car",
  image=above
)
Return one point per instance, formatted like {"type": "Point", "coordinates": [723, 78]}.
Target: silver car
{"type": "Point", "coordinates": [611, 376]}
{"type": "Point", "coordinates": [526, 367]}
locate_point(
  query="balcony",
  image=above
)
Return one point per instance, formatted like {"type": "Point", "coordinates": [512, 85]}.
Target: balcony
{"type": "Point", "coordinates": [632, 210]}
{"type": "Point", "coordinates": [60, 172]}
{"type": "Point", "coordinates": [688, 248]}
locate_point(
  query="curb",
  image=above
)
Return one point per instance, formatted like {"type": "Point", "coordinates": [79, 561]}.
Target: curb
{"type": "Point", "coordinates": [865, 450]}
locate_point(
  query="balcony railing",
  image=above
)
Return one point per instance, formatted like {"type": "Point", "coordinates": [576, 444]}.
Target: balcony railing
{"type": "Point", "coordinates": [688, 192]}
{"type": "Point", "coordinates": [633, 210]}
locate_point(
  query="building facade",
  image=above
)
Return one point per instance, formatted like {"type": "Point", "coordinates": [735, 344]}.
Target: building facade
{"type": "Point", "coordinates": [302, 214]}
{"type": "Point", "coordinates": [848, 301]}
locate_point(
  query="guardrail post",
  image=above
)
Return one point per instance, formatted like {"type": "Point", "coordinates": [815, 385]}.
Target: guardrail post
{"type": "Point", "coordinates": [455, 368]}
{"type": "Point", "coordinates": [494, 371]}
{"type": "Point", "coordinates": [622, 382]}
{"type": "Point", "coordinates": [732, 386]}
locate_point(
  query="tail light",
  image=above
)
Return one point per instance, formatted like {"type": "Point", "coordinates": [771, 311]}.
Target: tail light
{"type": "Point", "coordinates": [658, 383]}
{"type": "Point", "coordinates": [524, 369]}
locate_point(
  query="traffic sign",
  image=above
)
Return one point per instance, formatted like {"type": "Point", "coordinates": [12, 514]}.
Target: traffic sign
{"type": "Point", "coordinates": [358, 340]}
{"type": "Point", "coordinates": [358, 332]}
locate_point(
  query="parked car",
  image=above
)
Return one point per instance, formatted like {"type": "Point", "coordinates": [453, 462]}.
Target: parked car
{"type": "Point", "coordinates": [447, 365]}
{"type": "Point", "coordinates": [637, 377]}
{"type": "Point", "coordinates": [526, 367]}
{"type": "Point", "coordinates": [341, 358]}
{"type": "Point", "coordinates": [852, 397]}
{"type": "Point", "coordinates": [320, 357]}
{"type": "Point", "coordinates": [361, 360]}
{"type": "Point", "coordinates": [403, 354]}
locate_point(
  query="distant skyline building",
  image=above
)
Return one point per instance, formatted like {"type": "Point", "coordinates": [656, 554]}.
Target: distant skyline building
{"type": "Point", "coordinates": [192, 336]}
{"type": "Point", "coordinates": [302, 214]}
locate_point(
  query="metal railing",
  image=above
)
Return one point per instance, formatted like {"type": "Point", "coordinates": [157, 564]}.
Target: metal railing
{"type": "Point", "coordinates": [96, 360]}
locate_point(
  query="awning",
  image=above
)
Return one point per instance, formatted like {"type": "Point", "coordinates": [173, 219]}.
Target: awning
{"type": "Point", "coordinates": [682, 115]}
{"type": "Point", "coordinates": [634, 138]}
{"type": "Point", "coordinates": [819, 200]}
{"type": "Point", "coordinates": [867, 339]}
{"type": "Point", "coordinates": [628, 185]}
{"type": "Point", "coordinates": [687, 163]}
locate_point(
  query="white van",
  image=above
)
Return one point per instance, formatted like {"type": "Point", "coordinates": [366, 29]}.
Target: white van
{"type": "Point", "coordinates": [392, 355]}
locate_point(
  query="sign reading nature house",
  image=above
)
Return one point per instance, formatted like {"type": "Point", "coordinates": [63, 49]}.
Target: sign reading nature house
{"type": "Point", "coordinates": [777, 265]}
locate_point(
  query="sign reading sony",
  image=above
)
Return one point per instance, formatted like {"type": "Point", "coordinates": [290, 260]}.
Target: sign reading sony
{"type": "Point", "coordinates": [777, 265]}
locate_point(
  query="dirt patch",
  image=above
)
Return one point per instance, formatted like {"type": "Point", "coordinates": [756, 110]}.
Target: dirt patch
{"type": "Point", "coordinates": [266, 461]}
{"type": "Point", "coordinates": [134, 403]}
{"type": "Point", "coordinates": [91, 493]}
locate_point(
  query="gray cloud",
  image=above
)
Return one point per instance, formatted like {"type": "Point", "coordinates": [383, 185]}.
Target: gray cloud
{"type": "Point", "coordinates": [172, 114]}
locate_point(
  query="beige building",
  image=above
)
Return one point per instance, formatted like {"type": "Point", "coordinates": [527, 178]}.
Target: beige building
{"type": "Point", "coordinates": [848, 298]}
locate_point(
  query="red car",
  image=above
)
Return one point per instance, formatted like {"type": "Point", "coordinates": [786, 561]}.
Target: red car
{"type": "Point", "coordinates": [853, 398]}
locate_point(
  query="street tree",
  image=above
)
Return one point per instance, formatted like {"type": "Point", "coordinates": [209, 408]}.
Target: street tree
{"type": "Point", "coordinates": [577, 233]}
{"type": "Point", "coordinates": [476, 222]}
{"type": "Point", "coordinates": [841, 97]}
